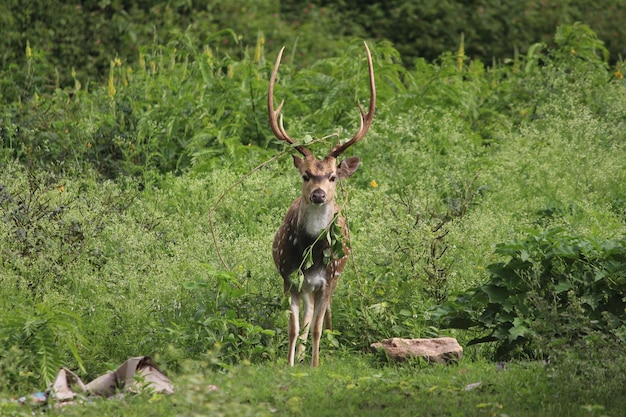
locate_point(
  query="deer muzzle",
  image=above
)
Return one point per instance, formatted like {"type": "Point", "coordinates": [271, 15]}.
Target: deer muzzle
{"type": "Point", "coordinates": [318, 196]}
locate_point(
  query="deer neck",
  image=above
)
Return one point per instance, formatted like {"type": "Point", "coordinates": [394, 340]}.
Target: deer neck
{"type": "Point", "coordinates": [313, 218]}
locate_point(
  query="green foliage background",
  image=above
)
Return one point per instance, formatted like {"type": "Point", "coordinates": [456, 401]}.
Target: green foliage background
{"type": "Point", "coordinates": [492, 29]}
{"type": "Point", "coordinates": [121, 138]}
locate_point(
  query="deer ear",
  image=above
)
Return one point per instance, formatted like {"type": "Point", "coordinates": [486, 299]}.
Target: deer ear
{"type": "Point", "coordinates": [297, 161]}
{"type": "Point", "coordinates": [348, 166]}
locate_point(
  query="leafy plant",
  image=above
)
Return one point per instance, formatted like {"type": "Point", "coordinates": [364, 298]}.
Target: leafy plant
{"type": "Point", "coordinates": [494, 30]}
{"type": "Point", "coordinates": [46, 336]}
{"type": "Point", "coordinates": [335, 250]}
{"type": "Point", "coordinates": [556, 286]}
{"type": "Point", "coordinates": [227, 318]}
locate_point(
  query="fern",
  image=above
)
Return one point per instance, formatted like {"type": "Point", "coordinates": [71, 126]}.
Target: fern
{"type": "Point", "coordinates": [48, 357]}
{"type": "Point", "coordinates": [46, 334]}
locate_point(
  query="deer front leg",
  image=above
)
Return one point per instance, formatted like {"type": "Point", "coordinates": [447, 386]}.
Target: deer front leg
{"type": "Point", "coordinates": [322, 299]}
{"type": "Point", "coordinates": [294, 326]}
{"type": "Point", "coordinates": [307, 316]}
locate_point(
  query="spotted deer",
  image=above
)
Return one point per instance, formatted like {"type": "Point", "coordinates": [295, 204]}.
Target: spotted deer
{"type": "Point", "coordinates": [302, 241]}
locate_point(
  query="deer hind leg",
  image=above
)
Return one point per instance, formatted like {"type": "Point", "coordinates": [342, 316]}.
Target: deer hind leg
{"type": "Point", "coordinates": [328, 318]}
{"type": "Point", "coordinates": [334, 269]}
{"type": "Point", "coordinates": [294, 326]}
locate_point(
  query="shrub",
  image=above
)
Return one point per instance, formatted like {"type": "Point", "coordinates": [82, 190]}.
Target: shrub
{"type": "Point", "coordinates": [556, 287]}
{"type": "Point", "coordinates": [228, 318]}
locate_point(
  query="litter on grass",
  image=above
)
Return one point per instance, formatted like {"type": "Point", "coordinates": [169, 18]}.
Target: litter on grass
{"type": "Point", "coordinates": [135, 375]}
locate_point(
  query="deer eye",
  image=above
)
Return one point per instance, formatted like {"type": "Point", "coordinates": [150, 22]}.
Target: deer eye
{"type": "Point", "coordinates": [305, 178]}
{"type": "Point", "coordinates": [332, 178]}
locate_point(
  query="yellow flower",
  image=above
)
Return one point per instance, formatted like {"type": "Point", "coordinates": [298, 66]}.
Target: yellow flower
{"type": "Point", "coordinates": [618, 74]}
{"type": "Point", "coordinates": [374, 183]}
{"type": "Point", "coordinates": [209, 55]}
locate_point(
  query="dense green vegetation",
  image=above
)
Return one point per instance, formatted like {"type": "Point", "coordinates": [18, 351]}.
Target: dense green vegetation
{"type": "Point", "coordinates": [86, 35]}
{"type": "Point", "coordinates": [492, 29]}
{"type": "Point", "coordinates": [135, 219]}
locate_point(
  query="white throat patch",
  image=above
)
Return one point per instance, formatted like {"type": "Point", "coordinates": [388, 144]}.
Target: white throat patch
{"type": "Point", "coordinates": [316, 218]}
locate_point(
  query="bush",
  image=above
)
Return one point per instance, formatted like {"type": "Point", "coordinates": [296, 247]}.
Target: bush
{"type": "Point", "coordinates": [178, 106]}
{"type": "Point", "coordinates": [235, 322]}
{"type": "Point", "coordinates": [556, 288]}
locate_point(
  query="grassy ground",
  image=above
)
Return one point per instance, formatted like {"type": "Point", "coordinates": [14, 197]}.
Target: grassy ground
{"type": "Point", "coordinates": [364, 386]}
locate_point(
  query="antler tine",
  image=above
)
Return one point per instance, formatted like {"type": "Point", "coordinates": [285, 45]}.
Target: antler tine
{"type": "Point", "coordinates": [366, 119]}
{"type": "Point", "coordinates": [275, 123]}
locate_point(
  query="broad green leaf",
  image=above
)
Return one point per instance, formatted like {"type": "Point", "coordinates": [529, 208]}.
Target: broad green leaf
{"type": "Point", "coordinates": [517, 331]}
{"type": "Point", "coordinates": [562, 286]}
{"type": "Point", "coordinates": [496, 294]}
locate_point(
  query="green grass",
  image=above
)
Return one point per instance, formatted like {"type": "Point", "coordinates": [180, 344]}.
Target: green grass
{"type": "Point", "coordinates": [361, 385]}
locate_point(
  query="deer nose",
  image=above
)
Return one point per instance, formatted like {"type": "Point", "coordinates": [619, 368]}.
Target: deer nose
{"type": "Point", "coordinates": [318, 196]}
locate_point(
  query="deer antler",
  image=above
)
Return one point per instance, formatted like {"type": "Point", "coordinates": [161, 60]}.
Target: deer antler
{"type": "Point", "coordinates": [276, 119]}
{"type": "Point", "coordinates": [366, 119]}
{"type": "Point", "coordinates": [275, 123]}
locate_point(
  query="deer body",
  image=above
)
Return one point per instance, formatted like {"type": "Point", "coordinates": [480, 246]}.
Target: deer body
{"type": "Point", "coordinates": [311, 214]}
{"type": "Point", "coordinates": [301, 242]}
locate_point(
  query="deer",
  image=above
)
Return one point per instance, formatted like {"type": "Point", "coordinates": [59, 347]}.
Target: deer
{"type": "Point", "coordinates": [302, 241]}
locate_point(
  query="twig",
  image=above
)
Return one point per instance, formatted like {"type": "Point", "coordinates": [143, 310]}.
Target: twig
{"type": "Point", "coordinates": [228, 190]}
